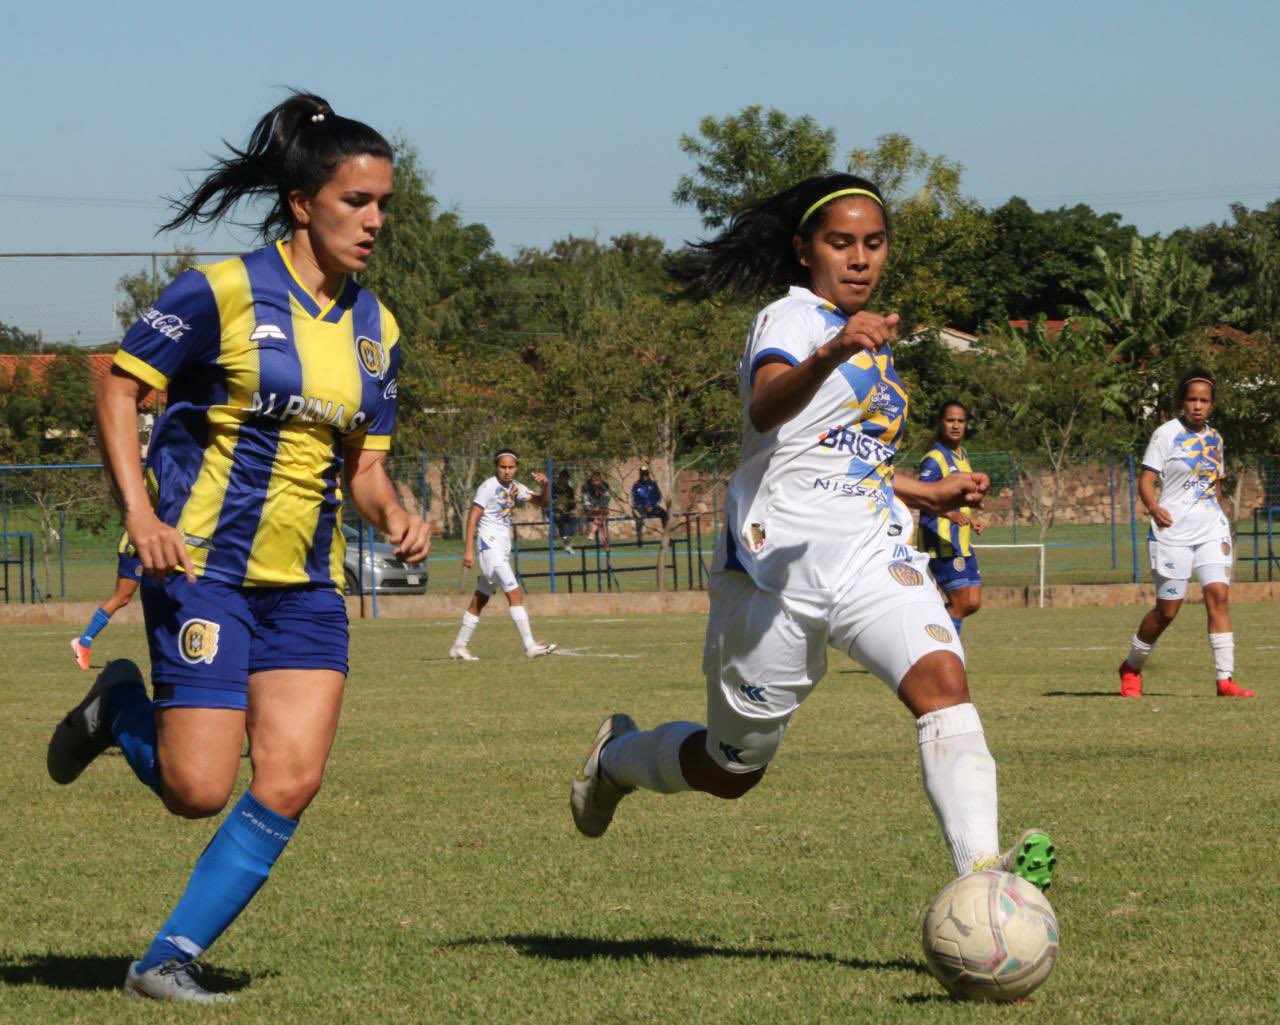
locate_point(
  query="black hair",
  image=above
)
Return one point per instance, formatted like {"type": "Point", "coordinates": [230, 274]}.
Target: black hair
{"type": "Point", "coordinates": [298, 144]}
{"type": "Point", "coordinates": [505, 452]}
{"type": "Point", "coordinates": [754, 255]}
{"type": "Point", "coordinates": [946, 404]}
{"type": "Point", "coordinates": [1196, 374]}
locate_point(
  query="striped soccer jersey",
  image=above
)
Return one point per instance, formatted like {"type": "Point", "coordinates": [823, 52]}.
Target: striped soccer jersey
{"type": "Point", "coordinates": [266, 391]}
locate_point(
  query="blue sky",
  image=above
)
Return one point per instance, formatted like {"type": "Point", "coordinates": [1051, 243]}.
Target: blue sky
{"type": "Point", "coordinates": [563, 117]}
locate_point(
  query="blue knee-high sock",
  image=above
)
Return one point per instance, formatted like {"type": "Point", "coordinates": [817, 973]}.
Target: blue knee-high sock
{"type": "Point", "coordinates": [100, 619]}
{"type": "Point", "coordinates": [229, 872]}
{"type": "Point", "coordinates": [133, 724]}
{"type": "Point", "coordinates": [957, 623]}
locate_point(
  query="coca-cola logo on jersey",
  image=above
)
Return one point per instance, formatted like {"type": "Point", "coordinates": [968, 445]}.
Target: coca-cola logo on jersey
{"type": "Point", "coordinates": [171, 326]}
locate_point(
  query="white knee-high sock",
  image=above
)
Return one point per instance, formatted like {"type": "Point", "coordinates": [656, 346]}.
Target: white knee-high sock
{"type": "Point", "coordinates": [469, 622]}
{"type": "Point", "coordinates": [520, 616]}
{"type": "Point", "coordinates": [960, 779]}
{"type": "Point", "coordinates": [1138, 652]}
{"type": "Point", "coordinates": [649, 758]}
{"type": "Point", "coordinates": [1224, 654]}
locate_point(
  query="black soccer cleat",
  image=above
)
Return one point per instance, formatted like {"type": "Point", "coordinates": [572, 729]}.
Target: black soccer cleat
{"type": "Point", "coordinates": [84, 733]}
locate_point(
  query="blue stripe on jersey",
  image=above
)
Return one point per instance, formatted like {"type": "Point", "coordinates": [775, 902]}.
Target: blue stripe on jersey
{"type": "Point", "coordinates": [366, 321]}
{"type": "Point", "coordinates": [345, 301]}
{"type": "Point", "coordinates": [175, 454]}
{"type": "Point", "coordinates": [253, 458]}
{"type": "Point", "coordinates": [317, 565]}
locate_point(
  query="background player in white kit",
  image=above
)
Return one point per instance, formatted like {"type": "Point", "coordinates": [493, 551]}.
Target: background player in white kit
{"type": "Point", "coordinates": [815, 551]}
{"type": "Point", "coordinates": [489, 526]}
{"type": "Point", "coordinates": [1189, 534]}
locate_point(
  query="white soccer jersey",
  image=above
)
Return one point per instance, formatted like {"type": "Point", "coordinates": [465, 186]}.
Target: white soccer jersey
{"type": "Point", "coordinates": [1190, 466]}
{"type": "Point", "coordinates": [812, 499]}
{"type": "Point", "coordinates": [498, 502]}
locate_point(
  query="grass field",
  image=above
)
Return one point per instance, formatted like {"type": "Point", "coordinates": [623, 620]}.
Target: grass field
{"type": "Point", "coordinates": [438, 877]}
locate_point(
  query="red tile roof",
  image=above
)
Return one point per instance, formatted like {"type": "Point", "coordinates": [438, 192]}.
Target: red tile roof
{"type": "Point", "coordinates": [37, 364]}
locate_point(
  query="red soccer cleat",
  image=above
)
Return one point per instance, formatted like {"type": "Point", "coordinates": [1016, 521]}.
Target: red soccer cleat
{"type": "Point", "coordinates": [80, 652]}
{"type": "Point", "coordinates": [1130, 681]}
{"type": "Point", "coordinates": [1228, 688]}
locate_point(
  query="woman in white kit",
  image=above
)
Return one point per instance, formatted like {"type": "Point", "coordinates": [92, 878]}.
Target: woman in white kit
{"type": "Point", "coordinates": [816, 550]}
{"type": "Point", "coordinates": [489, 526]}
{"type": "Point", "coordinates": [1189, 535]}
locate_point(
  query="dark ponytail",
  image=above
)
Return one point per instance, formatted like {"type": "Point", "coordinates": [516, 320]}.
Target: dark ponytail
{"type": "Point", "coordinates": [298, 144]}
{"type": "Point", "coordinates": [754, 255]}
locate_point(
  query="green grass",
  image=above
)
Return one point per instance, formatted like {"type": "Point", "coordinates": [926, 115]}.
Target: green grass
{"type": "Point", "coordinates": [438, 877]}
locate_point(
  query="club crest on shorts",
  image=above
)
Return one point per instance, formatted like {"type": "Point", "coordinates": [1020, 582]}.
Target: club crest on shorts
{"type": "Point", "coordinates": [905, 574]}
{"type": "Point", "coordinates": [198, 641]}
{"type": "Point", "coordinates": [938, 633]}
{"type": "Point", "coordinates": [1226, 548]}
{"type": "Point", "coordinates": [957, 563]}
{"type": "Point", "coordinates": [373, 357]}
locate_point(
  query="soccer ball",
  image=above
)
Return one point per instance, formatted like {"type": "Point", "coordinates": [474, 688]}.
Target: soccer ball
{"type": "Point", "coordinates": [990, 936]}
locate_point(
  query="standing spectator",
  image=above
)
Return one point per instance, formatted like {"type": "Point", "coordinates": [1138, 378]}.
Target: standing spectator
{"type": "Point", "coordinates": [646, 502]}
{"type": "Point", "coordinates": [595, 503]}
{"type": "Point", "coordinates": [564, 503]}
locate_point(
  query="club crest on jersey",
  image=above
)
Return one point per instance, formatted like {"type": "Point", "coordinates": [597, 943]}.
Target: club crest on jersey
{"type": "Point", "coordinates": [906, 575]}
{"type": "Point", "coordinates": [373, 357]}
{"type": "Point", "coordinates": [938, 633]}
{"type": "Point", "coordinates": [198, 641]}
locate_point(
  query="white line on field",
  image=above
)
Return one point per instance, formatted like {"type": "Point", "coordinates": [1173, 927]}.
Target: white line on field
{"type": "Point", "coordinates": [588, 653]}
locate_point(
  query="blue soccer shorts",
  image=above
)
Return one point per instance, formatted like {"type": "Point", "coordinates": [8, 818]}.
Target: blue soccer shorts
{"type": "Point", "coordinates": [129, 567]}
{"type": "Point", "coordinates": [957, 571]}
{"type": "Point", "coordinates": [207, 638]}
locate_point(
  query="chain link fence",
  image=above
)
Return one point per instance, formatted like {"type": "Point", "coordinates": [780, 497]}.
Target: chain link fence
{"type": "Point", "coordinates": [58, 529]}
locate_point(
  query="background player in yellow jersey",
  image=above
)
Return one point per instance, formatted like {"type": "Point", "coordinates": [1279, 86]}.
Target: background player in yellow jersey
{"type": "Point", "coordinates": [281, 374]}
{"type": "Point", "coordinates": [128, 574]}
{"type": "Point", "coordinates": [947, 539]}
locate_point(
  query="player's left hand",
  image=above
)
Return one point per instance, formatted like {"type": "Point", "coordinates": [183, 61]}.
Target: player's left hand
{"type": "Point", "coordinates": [541, 478]}
{"type": "Point", "coordinates": [411, 535]}
{"type": "Point", "coordinates": [977, 526]}
{"type": "Point", "coordinates": [961, 489]}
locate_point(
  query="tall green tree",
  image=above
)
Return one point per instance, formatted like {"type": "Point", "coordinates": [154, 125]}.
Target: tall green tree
{"type": "Point", "coordinates": [934, 227]}
{"type": "Point", "coordinates": [1243, 257]}
{"type": "Point", "coordinates": [140, 289]}
{"type": "Point", "coordinates": [747, 156]}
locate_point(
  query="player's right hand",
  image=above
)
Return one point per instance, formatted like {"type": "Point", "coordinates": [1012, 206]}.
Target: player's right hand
{"type": "Point", "coordinates": [468, 559]}
{"type": "Point", "coordinates": [1161, 517]}
{"type": "Point", "coordinates": [961, 489]}
{"type": "Point", "coordinates": [162, 548]}
{"type": "Point", "coordinates": [863, 331]}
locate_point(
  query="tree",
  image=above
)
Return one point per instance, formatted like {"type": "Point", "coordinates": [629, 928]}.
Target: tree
{"type": "Point", "coordinates": [651, 379]}
{"type": "Point", "coordinates": [1051, 393]}
{"type": "Point", "coordinates": [1243, 258]}
{"type": "Point", "coordinates": [934, 227]}
{"type": "Point", "coordinates": [1038, 262]}
{"type": "Point", "coordinates": [141, 289]}
{"type": "Point", "coordinates": [747, 156]}
{"type": "Point", "coordinates": [48, 418]}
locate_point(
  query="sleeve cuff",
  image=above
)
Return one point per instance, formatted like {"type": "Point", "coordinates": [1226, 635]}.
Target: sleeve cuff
{"type": "Point", "coordinates": [768, 354]}
{"type": "Point", "coordinates": [372, 442]}
{"type": "Point", "coordinates": [144, 372]}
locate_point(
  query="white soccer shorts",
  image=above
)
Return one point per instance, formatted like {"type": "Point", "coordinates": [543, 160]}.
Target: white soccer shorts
{"type": "Point", "coordinates": [764, 653]}
{"type": "Point", "coordinates": [1173, 566]}
{"type": "Point", "coordinates": [496, 573]}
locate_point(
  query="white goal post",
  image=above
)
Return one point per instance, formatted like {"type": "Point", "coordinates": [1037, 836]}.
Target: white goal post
{"type": "Point", "coordinates": [1040, 560]}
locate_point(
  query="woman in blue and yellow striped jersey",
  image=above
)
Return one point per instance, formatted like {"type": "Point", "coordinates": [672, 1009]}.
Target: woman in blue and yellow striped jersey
{"type": "Point", "coordinates": [947, 538]}
{"type": "Point", "coordinates": [281, 375]}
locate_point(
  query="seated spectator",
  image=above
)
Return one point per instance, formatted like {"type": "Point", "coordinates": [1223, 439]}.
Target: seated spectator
{"type": "Point", "coordinates": [646, 502]}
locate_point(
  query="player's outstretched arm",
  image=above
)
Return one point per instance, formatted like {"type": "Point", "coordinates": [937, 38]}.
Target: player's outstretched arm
{"type": "Point", "coordinates": [375, 500]}
{"type": "Point", "coordinates": [941, 497]}
{"type": "Point", "coordinates": [160, 546]}
{"type": "Point", "coordinates": [780, 391]}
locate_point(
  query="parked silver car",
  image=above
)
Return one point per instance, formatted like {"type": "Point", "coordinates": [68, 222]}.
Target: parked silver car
{"type": "Point", "coordinates": [380, 565]}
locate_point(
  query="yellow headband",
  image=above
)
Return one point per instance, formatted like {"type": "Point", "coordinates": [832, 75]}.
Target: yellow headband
{"type": "Point", "coordinates": [836, 195]}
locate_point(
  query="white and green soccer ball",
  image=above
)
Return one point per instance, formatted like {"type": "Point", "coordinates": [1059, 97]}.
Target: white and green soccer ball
{"type": "Point", "coordinates": [990, 936]}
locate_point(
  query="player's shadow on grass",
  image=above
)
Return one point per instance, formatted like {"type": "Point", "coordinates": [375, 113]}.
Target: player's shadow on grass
{"type": "Point", "coordinates": [1100, 694]}
{"type": "Point", "coordinates": [666, 948]}
{"type": "Point", "coordinates": [91, 972]}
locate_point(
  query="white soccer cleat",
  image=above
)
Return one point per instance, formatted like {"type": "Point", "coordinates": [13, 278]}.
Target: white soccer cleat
{"type": "Point", "coordinates": [462, 653]}
{"type": "Point", "coordinates": [173, 981]}
{"type": "Point", "coordinates": [538, 648]}
{"type": "Point", "coordinates": [593, 797]}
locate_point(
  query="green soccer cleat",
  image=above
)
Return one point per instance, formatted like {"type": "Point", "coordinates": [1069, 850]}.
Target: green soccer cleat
{"type": "Point", "coordinates": [1033, 858]}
